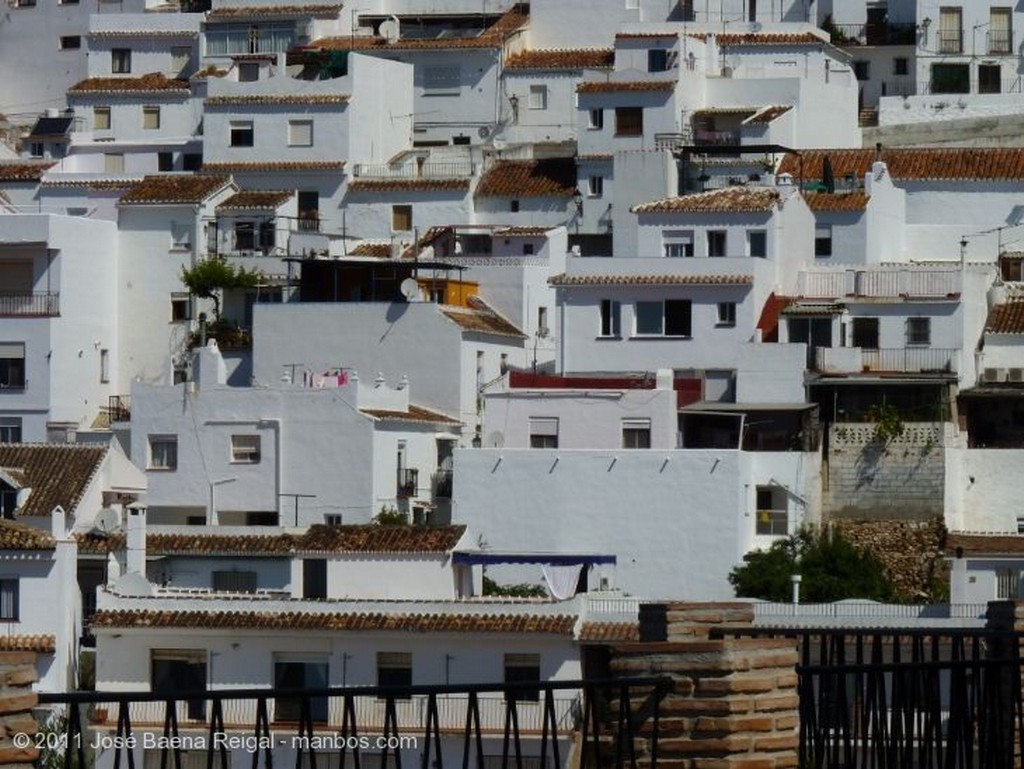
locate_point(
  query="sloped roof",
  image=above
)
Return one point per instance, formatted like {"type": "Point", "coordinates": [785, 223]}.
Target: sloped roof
{"type": "Point", "coordinates": [481, 317]}
{"type": "Point", "coordinates": [739, 199]}
{"type": "Point", "coordinates": [407, 185]}
{"type": "Point", "coordinates": [984, 544]}
{"type": "Point", "coordinates": [154, 82]}
{"type": "Point", "coordinates": [255, 200]}
{"type": "Point", "coordinates": [229, 13]}
{"type": "Point", "coordinates": [173, 189]}
{"type": "Point", "coordinates": [57, 473]}
{"type": "Point", "coordinates": [42, 643]}
{"type": "Point", "coordinates": [564, 279]}
{"type": "Point", "coordinates": [52, 126]}
{"type": "Point", "coordinates": [23, 171]}
{"type": "Point", "coordinates": [769, 114]}
{"type": "Point", "coordinates": [608, 632]}
{"type": "Point", "coordinates": [829, 201]}
{"type": "Point", "coordinates": [417, 414]}
{"type": "Point", "coordinates": [17, 536]}
{"type": "Point", "coordinates": [616, 86]}
{"type": "Point", "coordinates": [276, 166]}
{"type": "Point", "coordinates": [769, 38]}
{"type": "Point", "coordinates": [915, 164]}
{"type": "Point", "coordinates": [562, 59]}
{"type": "Point", "coordinates": [377, 250]}
{"type": "Point", "coordinates": [276, 99]}
{"type": "Point", "coordinates": [1006, 318]}
{"type": "Point", "coordinates": [554, 177]}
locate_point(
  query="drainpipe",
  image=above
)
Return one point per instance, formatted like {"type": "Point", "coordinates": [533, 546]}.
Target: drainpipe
{"type": "Point", "coordinates": [275, 425]}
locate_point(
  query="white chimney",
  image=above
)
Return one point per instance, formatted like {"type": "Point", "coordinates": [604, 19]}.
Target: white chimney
{"type": "Point", "coordinates": [58, 523]}
{"type": "Point", "coordinates": [135, 555]}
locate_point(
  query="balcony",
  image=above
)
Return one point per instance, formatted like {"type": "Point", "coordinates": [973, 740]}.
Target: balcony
{"type": "Point", "coordinates": [308, 221]}
{"type": "Point", "coordinates": [951, 41]}
{"type": "Point", "coordinates": [873, 34]}
{"type": "Point", "coordinates": [704, 138]}
{"type": "Point", "coordinates": [29, 304]}
{"type": "Point", "coordinates": [880, 283]}
{"type": "Point", "coordinates": [443, 484]}
{"type": "Point", "coordinates": [1000, 42]}
{"type": "Point", "coordinates": [905, 360]}
{"type": "Point", "coordinates": [119, 407]}
{"type": "Point", "coordinates": [415, 170]}
{"type": "Point", "coordinates": [408, 482]}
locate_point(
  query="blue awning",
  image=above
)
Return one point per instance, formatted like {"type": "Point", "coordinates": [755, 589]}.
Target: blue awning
{"type": "Point", "coordinates": [490, 557]}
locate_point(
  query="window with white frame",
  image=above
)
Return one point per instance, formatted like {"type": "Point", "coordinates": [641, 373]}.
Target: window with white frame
{"type": "Point", "coordinates": [636, 433]}
{"type": "Point", "coordinates": [1007, 583]}
{"type": "Point", "coordinates": [771, 514]}
{"type": "Point", "coordinates": [442, 80]}
{"type": "Point", "coordinates": [101, 118]}
{"type": "Point", "coordinates": [121, 61]}
{"type": "Point", "coordinates": [163, 452]}
{"type": "Point", "coordinates": [757, 243]}
{"type": "Point", "coordinates": [669, 317]}
{"type": "Point", "coordinates": [10, 429]}
{"type": "Point", "coordinates": [716, 242]}
{"type": "Point", "coordinates": [543, 432]}
{"type": "Point", "coordinates": [595, 186]}
{"type": "Point", "coordinates": [823, 240]}
{"type": "Point", "coordinates": [241, 133]}
{"type": "Point", "coordinates": [394, 669]}
{"type": "Point", "coordinates": [113, 162]}
{"type": "Point", "coordinates": [12, 365]}
{"type": "Point", "coordinates": [726, 313]}
{"type": "Point", "coordinates": [181, 307]}
{"type": "Point", "coordinates": [611, 317]}
{"type": "Point", "coordinates": [919, 332]}
{"type": "Point", "coordinates": [300, 133]}
{"type": "Point", "coordinates": [677, 243]}
{"type": "Point", "coordinates": [245, 449]}
{"type": "Point", "coordinates": [523, 669]}
{"type": "Point", "coordinates": [10, 599]}
{"type": "Point", "coordinates": [538, 97]}
{"type": "Point", "coordinates": [595, 121]}
{"type": "Point", "coordinates": [151, 118]}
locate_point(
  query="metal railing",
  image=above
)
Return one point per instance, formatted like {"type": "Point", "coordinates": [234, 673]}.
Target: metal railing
{"type": "Point", "coordinates": [119, 407]}
{"type": "Point", "coordinates": [950, 40]}
{"type": "Point", "coordinates": [873, 34]}
{"type": "Point", "coordinates": [29, 304]}
{"type": "Point", "coordinates": [428, 170]}
{"type": "Point", "coordinates": [1000, 41]}
{"type": "Point", "coordinates": [408, 482]}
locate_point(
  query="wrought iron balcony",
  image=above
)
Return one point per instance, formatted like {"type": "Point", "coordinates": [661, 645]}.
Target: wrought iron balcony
{"type": "Point", "coordinates": [408, 482]}
{"type": "Point", "coordinates": [29, 304]}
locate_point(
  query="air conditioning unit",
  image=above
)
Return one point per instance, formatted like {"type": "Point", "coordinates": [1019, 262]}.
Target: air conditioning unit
{"type": "Point", "coordinates": [1015, 375]}
{"type": "Point", "coordinates": [994, 375]}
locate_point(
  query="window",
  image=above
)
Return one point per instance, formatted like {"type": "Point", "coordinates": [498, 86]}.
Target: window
{"type": "Point", "coordinates": [261, 518]}
{"type": "Point", "coordinates": [180, 58]}
{"type": "Point", "coordinates": [300, 671]}
{"type": "Point", "coordinates": [70, 43]}
{"type": "Point", "coordinates": [245, 449]}
{"type": "Point", "coordinates": [300, 133]}
{"type": "Point", "coordinates": [668, 318]}
{"type": "Point", "coordinates": [596, 119]}
{"type": "Point", "coordinates": [101, 118]}
{"type": "Point", "coordinates": [180, 670]}
{"type": "Point", "coordinates": [629, 121]}
{"type": "Point", "coordinates": [1000, 35]}
{"type": "Point", "coordinates": [191, 161]}
{"type": "Point", "coordinates": [772, 515]}
{"type": "Point", "coordinates": [25, 3]}
{"type": "Point", "coordinates": [677, 243]}
{"type": "Point", "coordinates": [163, 452]}
{"type": "Point", "coordinates": [542, 322]}
{"type": "Point", "coordinates": [513, 206]}
{"type": "Point", "coordinates": [246, 37]}
{"type": "Point", "coordinates": [234, 581]}
{"type": "Point", "coordinates": [245, 236]}
{"type": "Point", "coordinates": [657, 60]}
{"type": "Point", "coordinates": [990, 78]}
{"type": "Point", "coordinates": [862, 70]}
{"type": "Point", "coordinates": [248, 72]}
{"type": "Point", "coordinates": [180, 307]}
{"type": "Point", "coordinates": [333, 519]}
{"type": "Point", "coordinates": [595, 186]}
{"type": "Point", "coordinates": [727, 313]}
{"type": "Point", "coordinates": [401, 218]}
{"type": "Point", "coordinates": [165, 161]}
{"type": "Point", "coordinates": [611, 313]}
{"type": "Point", "coordinates": [538, 97]}
{"type": "Point", "coordinates": [523, 669]}
{"type": "Point", "coordinates": [716, 242]}
{"type": "Point", "coordinates": [919, 332]}
{"type": "Point", "coordinates": [636, 433]}
{"type": "Point", "coordinates": [12, 365]}
{"type": "Point", "coordinates": [951, 78]}
{"type": "Point", "coordinates": [314, 578]}
{"type": "Point", "coordinates": [8, 502]}
{"type": "Point", "coordinates": [394, 669]}
{"type": "Point", "coordinates": [823, 240]}
{"type": "Point", "coordinates": [113, 162]}
{"type": "Point", "coordinates": [151, 118]}
{"type": "Point", "coordinates": [36, 149]}
{"type": "Point", "coordinates": [438, 81]}
{"type": "Point", "coordinates": [865, 333]}
{"type": "Point", "coordinates": [901, 66]}
{"type": "Point", "coordinates": [104, 366]}
{"type": "Point", "coordinates": [543, 432]}
{"type": "Point", "coordinates": [10, 429]}
{"type": "Point", "coordinates": [121, 61]}
{"type": "Point", "coordinates": [242, 134]}
{"type": "Point", "coordinates": [950, 30]}
{"type": "Point", "coordinates": [1007, 584]}
{"type": "Point", "coordinates": [757, 243]}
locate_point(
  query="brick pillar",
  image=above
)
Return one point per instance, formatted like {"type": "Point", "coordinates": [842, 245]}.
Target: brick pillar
{"type": "Point", "coordinates": [734, 703]}
{"type": "Point", "coordinates": [1007, 616]}
{"type": "Point", "coordinates": [17, 674]}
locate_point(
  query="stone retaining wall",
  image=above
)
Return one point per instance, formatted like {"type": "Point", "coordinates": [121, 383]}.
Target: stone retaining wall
{"type": "Point", "coordinates": [17, 674]}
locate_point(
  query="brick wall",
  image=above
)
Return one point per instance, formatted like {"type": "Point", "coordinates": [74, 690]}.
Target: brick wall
{"type": "Point", "coordinates": [17, 674]}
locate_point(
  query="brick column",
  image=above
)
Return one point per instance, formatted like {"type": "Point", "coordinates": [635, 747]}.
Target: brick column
{"type": "Point", "coordinates": [17, 674]}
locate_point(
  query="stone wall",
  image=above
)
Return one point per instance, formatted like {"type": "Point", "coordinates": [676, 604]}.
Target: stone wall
{"type": "Point", "coordinates": [912, 552]}
{"type": "Point", "coordinates": [17, 674]}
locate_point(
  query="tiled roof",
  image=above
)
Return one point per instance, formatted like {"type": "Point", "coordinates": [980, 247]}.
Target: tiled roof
{"type": "Point", "coordinates": [16, 536]}
{"type": "Point", "coordinates": [414, 414]}
{"type": "Point", "coordinates": [480, 317]}
{"type": "Point", "coordinates": [562, 58]}
{"type": "Point", "coordinates": [407, 185]}
{"type": "Point", "coordinates": [828, 201]}
{"type": "Point", "coordinates": [277, 166]}
{"type": "Point", "coordinates": [266, 11]}
{"type": "Point", "coordinates": [644, 35]}
{"type": "Point", "coordinates": [608, 632]}
{"type": "Point", "coordinates": [595, 156]}
{"type": "Point", "coordinates": [350, 43]}
{"type": "Point", "coordinates": [154, 82]}
{"type": "Point", "coordinates": [953, 164]}
{"type": "Point", "coordinates": [984, 544]}
{"type": "Point", "coordinates": [769, 38]}
{"type": "Point", "coordinates": [22, 171]}
{"type": "Point", "coordinates": [273, 99]}
{"type": "Point", "coordinates": [712, 111]}
{"type": "Point", "coordinates": [319, 538]}
{"type": "Point", "coordinates": [769, 114]}
{"type": "Point", "coordinates": [521, 231]}
{"type": "Point", "coordinates": [615, 86]}
{"type": "Point", "coordinates": [91, 184]}
{"type": "Point", "coordinates": [565, 279]}
{"type": "Point", "coordinates": [555, 177]}
{"type": "Point", "coordinates": [804, 307]}
{"type": "Point", "coordinates": [209, 71]}
{"type": "Point", "coordinates": [408, 623]}
{"type": "Point", "coordinates": [1006, 318]}
{"type": "Point", "coordinates": [109, 33]}
{"type": "Point", "coordinates": [57, 473]}
{"type": "Point", "coordinates": [746, 199]}
{"type": "Point", "coordinates": [255, 200]}
{"type": "Point", "coordinates": [376, 250]}
{"type": "Point", "coordinates": [40, 642]}
{"type": "Point", "coordinates": [173, 190]}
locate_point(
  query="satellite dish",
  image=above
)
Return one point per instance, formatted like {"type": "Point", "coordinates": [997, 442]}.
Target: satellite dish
{"type": "Point", "coordinates": [410, 289]}
{"type": "Point", "coordinates": [108, 520]}
{"type": "Point", "coordinates": [390, 29]}
{"type": "Point", "coordinates": [495, 439]}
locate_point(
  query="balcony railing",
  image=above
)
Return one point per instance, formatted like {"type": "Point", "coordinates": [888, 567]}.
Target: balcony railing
{"type": "Point", "coordinates": [919, 360]}
{"type": "Point", "coordinates": [716, 138]}
{"type": "Point", "coordinates": [1000, 41]}
{"type": "Point", "coordinates": [951, 40]}
{"type": "Point", "coordinates": [120, 408]}
{"type": "Point", "coordinates": [443, 484]}
{"type": "Point", "coordinates": [309, 222]}
{"type": "Point", "coordinates": [873, 34]}
{"type": "Point", "coordinates": [449, 170]}
{"type": "Point", "coordinates": [408, 482]}
{"type": "Point", "coordinates": [880, 283]}
{"type": "Point", "coordinates": [29, 304]}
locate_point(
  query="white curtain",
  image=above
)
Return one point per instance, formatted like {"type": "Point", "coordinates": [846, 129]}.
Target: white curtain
{"type": "Point", "coordinates": [562, 580]}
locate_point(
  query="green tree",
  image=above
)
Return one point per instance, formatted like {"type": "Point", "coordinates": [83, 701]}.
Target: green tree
{"type": "Point", "coordinates": [391, 516]}
{"type": "Point", "coordinates": [832, 568]}
{"type": "Point", "coordinates": [209, 277]}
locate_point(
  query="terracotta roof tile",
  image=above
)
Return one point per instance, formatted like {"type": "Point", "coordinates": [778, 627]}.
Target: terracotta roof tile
{"type": "Point", "coordinates": [770, 38]}
{"type": "Point", "coordinates": [746, 199]}
{"type": "Point", "coordinates": [91, 184]}
{"type": "Point", "coordinates": [23, 171]}
{"type": "Point", "coordinates": [712, 111]}
{"type": "Point", "coordinates": [154, 82]}
{"type": "Point", "coordinates": [174, 189]}
{"type": "Point", "coordinates": [209, 71]}
{"type": "Point", "coordinates": [984, 544]}
{"type": "Point", "coordinates": [608, 632]}
{"type": "Point", "coordinates": [769, 114]}
{"type": "Point", "coordinates": [595, 156]}
{"type": "Point", "coordinates": [40, 642]}
{"type": "Point", "coordinates": [116, 33]}
{"type": "Point", "coordinates": [907, 164]}
{"type": "Point", "coordinates": [565, 279]}
{"type": "Point", "coordinates": [407, 185]}
{"type": "Point", "coordinates": [277, 166]}
{"type": "Point", "coordinates": [57, 473]}
{"type": "Point", "coordinates": [521, 231]}
{"type": "Point", "coordinates": [562, 58]}
{"type": "Point", "coordinates": [256, 200]}
{"type": "Point", "coordinates": [375, 250]}
{"type": "Point", "coordinates": [480, 317]}
{"type": "Point", "coordinates": [1006, 318]}
{"type": "Point", "coordinates": [275, 99]}
{"type": "Point", "coordinates": [279, 11]}
{"type": "Point", "coordinates": [414, 414]}
{"type": "Point", "coordinates": [645, 35]}
{"type": "Point", "coordinates": [617, 86]}
{"type": "Point", "coordinates": [16, 536]}
{"type": "Point", "coordinates": [555, 177]}
{"type": "Point", "coordinates": [350, 43]}
{"type": "Point", "coordinates": [845, 201]}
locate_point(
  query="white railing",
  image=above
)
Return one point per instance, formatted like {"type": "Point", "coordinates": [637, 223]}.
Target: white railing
{"type": "Point", "coordinates": [879, 283]}
{"type": "Point", "coordinates": [870, 610]}
{"type": "Point", "coordinates": [620, 607]}
{"type": "Point", "coordinates": [448, 170]}
{"type": "Point", "coordinates": [900, 359]}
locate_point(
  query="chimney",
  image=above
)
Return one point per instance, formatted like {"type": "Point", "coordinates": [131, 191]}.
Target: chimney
{"type": "Point", "coordinates": [58, 523]}
{"type": "Point", "coordinates": [135, 546]}
{"type": "Point", "coordinates": [209, 369]}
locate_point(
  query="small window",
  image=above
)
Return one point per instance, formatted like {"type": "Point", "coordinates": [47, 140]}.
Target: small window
{"type": "Point", "coordinates": [595, 186]}
{"type": "Point", "coordinates": [12, 365]}
{"type": "Point", "coordinates": [677, 243]}
{"type": "Point", "coordinates": [919, 332]}
{"type": "Point", "coordinates": [234, 581]}
{"type": "Point", "coordinates": [523, 669]}
{"type": "Point", "coordinates": [629, 121]}
{"type": "Point", "coordinates": [245, 236]}
{"type": "Point", "coordinates": [401, 218]}
{"type": "Point", "coordinates": [245, 449]}
{"type": "Point", "coordinates": [151, 118]}
{"type": "Point", "coordinates": [113, 162]}
{"type": "Point", "coordinates": [394, 669]}
{"type": "Point", "coordinates": [727, 313]}
{"type": "Point", "coordinates": [538, 97]}
{"type": "Point", "coordinates": [543, 432]}
{"type": "Point", "coordinates": [36, 149]}
{"type": "Point", "coordinates": [900, 66]}
{"type": "Point", "coordinates": [180, 308]}
{"type": "Point", "coordinates": [165, 161]}
{"type": "Point", "coordinates": [716, 242]}
{"type": "Point", "coordinates": [10, 599]}
{"type": "Point", "coordinates": [300, 133]}
{"type": "Point", "coordinates": [823, 240]}
{"type": "Point", "coordinates": [163, 452]}
{"type": "Point", "coordinates": [10, 429]}
{"type": "Point", "coordinates": [242, 134]}
{"type": "Point", "coordinates": [101, 118]}
{"type": "Point", "coordinates": [513, 206]}
{"type": "Point", "coordinates": [757, 243]}
{"type": "Point", "coordinates": [1007, 584]}
{"type": "Point", "coordinates": [1020, 524]}
{"type": "Point", "coordinates": [636, 433]}
{"type": "Point", "coordinates": [8, 502]}
{"type": "Point", "coordinates": [528, 249]}
{"type": "Point", "coordinates": [191, 161]}
{"type": "Point", "coordinates": [865, 333]}
{"type": "Point", "coordinates": [596, 120]}
{"type": "Point", "coordinates": [248, 72]}
{"type": "Point", "coordinates": [25, 3]}
{"type": "Point", "coordinates": [104, 366]}
{"type": "Point", "coordinates": [657, 60]}
{"type": "Point", "coordinates": [649, 318]}
{"type": "Point", "coordinates": [677, 317]}
{"type": "Point", "coordinates": [862, 70]}
{"type": "Point", "coordinates": [542, 321]}
{"type": "Point", "coordinates": [772, 515]}
{"type": "Point", "coordinates": [70, 43]}
{"type": "Point", "coordinates": [261, 518]}
{"type": "Point", "coordinates": [121, 61]}
{"type": "Point", "coordinates": [611, 312]}
{"type": "Point", "coordinates": [333, 519]}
